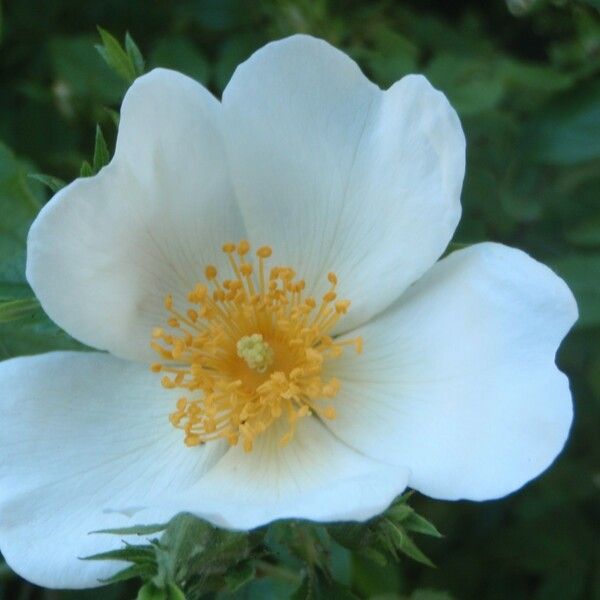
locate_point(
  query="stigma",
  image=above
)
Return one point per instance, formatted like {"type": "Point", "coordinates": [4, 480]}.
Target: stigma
{"type": "Point", "coordinates": [250, 350]}
{"type": "Point", "coordinates": [255, 351]}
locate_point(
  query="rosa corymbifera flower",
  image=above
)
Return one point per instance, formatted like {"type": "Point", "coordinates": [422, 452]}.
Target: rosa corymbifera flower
{"type": "Point", "coordinates": [276, 335]}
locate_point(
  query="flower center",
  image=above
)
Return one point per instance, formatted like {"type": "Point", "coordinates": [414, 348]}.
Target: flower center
{"type": "Point", "coordinates": [250, 350]}
{"type": "Point", "coordinates": [255, 351]}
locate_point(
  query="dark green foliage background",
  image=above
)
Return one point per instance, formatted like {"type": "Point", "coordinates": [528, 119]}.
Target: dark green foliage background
{"type": "Point", "coordinates": [524, 78]}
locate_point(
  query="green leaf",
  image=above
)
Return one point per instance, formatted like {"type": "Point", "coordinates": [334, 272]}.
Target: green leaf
{"type": "Point", "coordinates": [586, 233]}
{"type": "Point", "coordinates": [116, 57]}
{"type": "Point", "coordinates": [473, 85]}
{"type": "Point", "coordinates": [419, 524]}
{"type": "Point", "coordinates": [234, 50]}
{"type": "Point", "coordinates": [135, 529]}
{"type": "Point", "coordinates": [180, 54]}
{"type": "Point", "coordinates": [19, 204]}
{"type": "Point", "coordinates": [101, 153]}
{"type": "Point", "coordinates": [534, 77]}
{"type": "Point", "coordinates": [567, 131]}
{"type": "Point", "coordinates": [33, 336]}
{"type": "Point", "coordinates": [13, 310]}
{"type": "Point", "coordinates": [239, 576]}
{"type": "Point", "coordinates": [86, 169]}
{"type": "Point", "coordinates": [387, 535]}
{"type": "Point", "coordinates": [141, 570]}
{"type": "Point", "coordinates": [351, 535]}
{"type": "Point", "coordinates": [54, 184]}
{"type": "Point", "coordinates": [20, 200]}
{"type": "Point", "coordinates": [135, 55]}
{"type": "Point", "coordinates": [582, 274]}
{"type": "Point", "coordinates": [82, 77]}
{"type": "Point", "coordinates": [115, 117]}
{"type": "Point", "coordinates": [399, 511]}
{"type": "Point", "coordinates": [130, 553]}
{"type": "Point", "coordinates": [190, 546]}
{"type": "Point", "coordinates": [317, 585]}
{"type": "Point", "coordinates": [399, 540]}
{"type": "Point", "coordinates": [393, 57]}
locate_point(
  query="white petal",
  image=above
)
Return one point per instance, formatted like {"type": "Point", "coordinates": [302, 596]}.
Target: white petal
{"type": "Point", "coordinates": [86, 444]}
{"type": "Point", "coordinates": [314, 477]}
{"type": "Point", "coordinates": [106, 250]}
{"type": "Point", "coordinates": [458, 381]}
{"type": "Point", "coordinates": [337, 175]}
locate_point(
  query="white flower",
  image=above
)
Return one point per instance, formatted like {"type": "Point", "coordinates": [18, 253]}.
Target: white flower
{"type": "Point", "coordinates": [357, 190]}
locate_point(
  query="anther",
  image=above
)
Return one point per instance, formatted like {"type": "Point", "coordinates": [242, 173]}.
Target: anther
{"type": "Point", "coordinates": [264, 252]}
{"type": "Point", "coordinates": [243, 247]}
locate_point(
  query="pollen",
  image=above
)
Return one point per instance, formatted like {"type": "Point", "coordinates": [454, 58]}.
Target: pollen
{"type": "Point", "coordinates": [249, 350]}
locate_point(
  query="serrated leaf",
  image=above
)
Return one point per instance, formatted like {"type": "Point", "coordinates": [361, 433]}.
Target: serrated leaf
{"type": "Point", "coordinates": [395, 534]}
{"type": "Point", "coordinates": [375, 555]}
{"type": "Point", "coordinates": [419, 524]}
{"type": "Point", "coordinates": [351, 535]}
{"type": "Point", "coordinates": [13, 309]}
{"type": "Point", "coordinates": [143, 571]}
{"type": "Point", "coordinates": [399, 512]}
{"type": "Point", "coordinates": [54, 184]}
{"type": "Point", "coordinates": [114, 54]}
{"type": "Point", "coordinates": [134, 55]}
{"type": "Point", "coordinates": [130, 553]}
{"type": "Point", "coordinates": [192, 548]}
{"type": "Point", "coordinates": [101, 153]}
{"type": "Point", "coordinates": [135, 529]}
{"type": "Point", "coordinates": [404, 497]}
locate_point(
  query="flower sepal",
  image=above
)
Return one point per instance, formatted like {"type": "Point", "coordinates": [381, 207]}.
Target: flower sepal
{"type": "Point", "coordinates": [387, 536]}
{"type": "Point", "coordinates": [190, 555]}
{"type": "Point", "coordinates": [193, 556]}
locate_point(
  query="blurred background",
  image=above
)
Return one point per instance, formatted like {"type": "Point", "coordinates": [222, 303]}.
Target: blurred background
{"type": "Point", "coordinates": [523, 76]}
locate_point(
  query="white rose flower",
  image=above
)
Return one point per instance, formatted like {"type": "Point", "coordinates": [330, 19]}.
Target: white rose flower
{"type": "Point", "coordinates": [278, 398]}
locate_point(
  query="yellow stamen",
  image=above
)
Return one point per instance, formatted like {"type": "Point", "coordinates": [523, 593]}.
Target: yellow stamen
{"type": "Point", "coordinates": [250, 352]}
